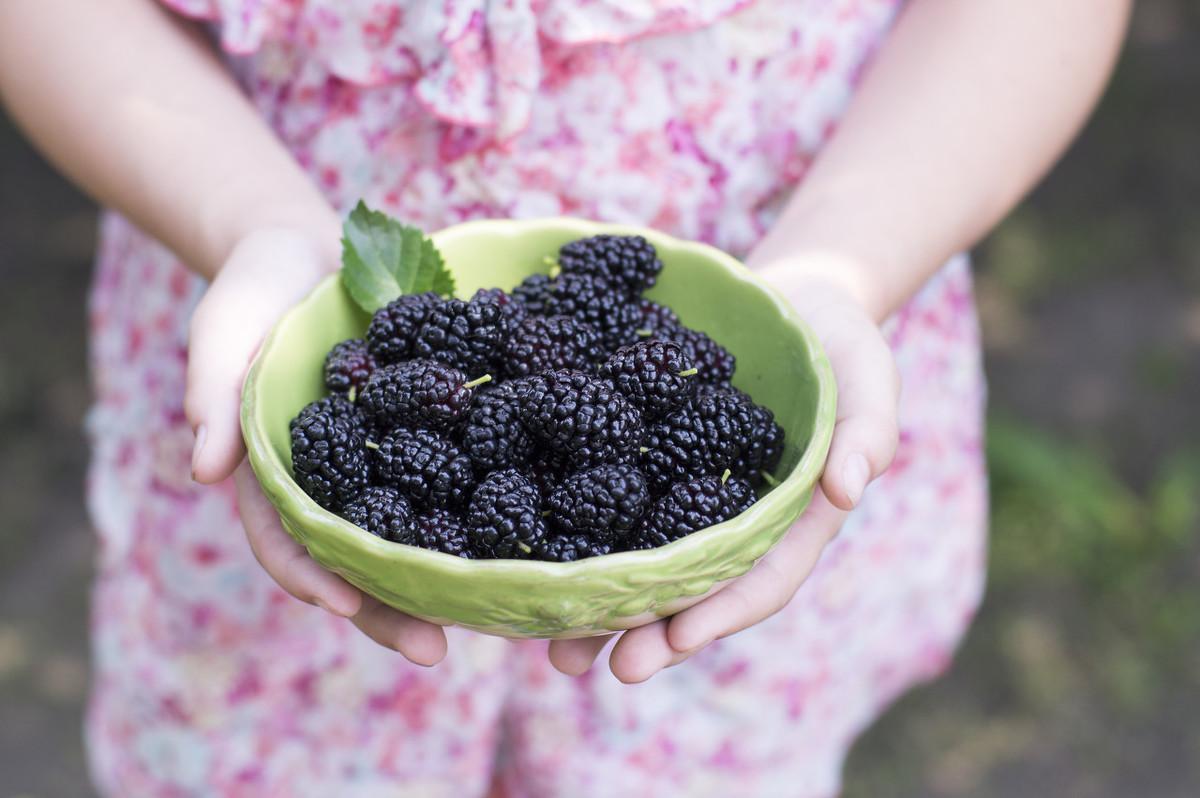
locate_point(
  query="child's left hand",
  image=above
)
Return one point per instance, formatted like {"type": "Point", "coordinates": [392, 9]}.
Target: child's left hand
{"type": "Point", "coordinates": [864, 441]}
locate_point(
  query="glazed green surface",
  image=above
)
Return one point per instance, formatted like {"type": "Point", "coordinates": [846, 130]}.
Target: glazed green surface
{"type": "Point", "coordinates": [780, 364]}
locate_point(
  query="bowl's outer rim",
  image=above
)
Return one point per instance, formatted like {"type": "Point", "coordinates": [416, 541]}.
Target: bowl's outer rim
{"type": "Point", "coordinates": [797, 486]}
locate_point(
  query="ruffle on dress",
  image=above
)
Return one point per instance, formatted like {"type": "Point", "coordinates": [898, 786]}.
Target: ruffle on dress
{"type": "Point", "coordinates": [472, 63]}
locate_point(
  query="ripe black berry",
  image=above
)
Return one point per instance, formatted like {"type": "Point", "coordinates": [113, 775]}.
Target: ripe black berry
{"type": "Point", "coordinates": [597, 303]}
{"type": "Point", "coordinates": [714, 363]}
{"type": "Point", "coordinates": [335, 405]}
{"type": "Point", "coordinates": [514, 310]}
{"type": "Point", "coordinates": [581, 418]}
{"type": "Point", "coordinates": [431, 470]}
{"type": "Point", "coordinates": [569, 548]}
{"type": "Point", "coordinates": [704, 437]}
{"type": "Point", "coordinates": [656, 321]}
{"type": "Point", "coordinates": [630, 263]}
{"type": "Point", "coordinates": [417, 393]}
{"type": "Point", "coordinates": [602, 503]}
{"type": "Point", "coordinates": [764, 445]}
{"type": "Point", "coordinates": [689, 507]}
{"type": "Point", "coordinates": [348, 365]}
{"type": "Point", "coordinates": [533, 292]}
{"type": "Point", "coordinates": [467, 335]}
{"type": "Point", "coordinates": [544, 343]}
{"type": "Point", "coordinates": [504, 518]}
{"type": "Point", "coordinates": [653, 375]}
{"type": "Point", "coordinates": [394, 327]}
{"type": "Point", "coordinates": [329, 458]}
{"type": "Point", "coordinates": [444, 531]}
{"type": "Point", "coordinates": [546, 470]}
{"type": "Point", "coordinates": [382, 511]}
{"type": "Point", "coordinates": [493, 436]}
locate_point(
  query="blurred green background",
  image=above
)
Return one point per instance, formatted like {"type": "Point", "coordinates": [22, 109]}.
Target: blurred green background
{"type": "Point", "coordinates": [1081, 676]}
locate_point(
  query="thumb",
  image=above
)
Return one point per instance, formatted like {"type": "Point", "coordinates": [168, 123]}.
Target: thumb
{"type": "Point", "coordinates": [221, 343]}
{"type": "Point", "coordinates": [866, 433]}
{"type": "Point", "coordinates": [264, 276]}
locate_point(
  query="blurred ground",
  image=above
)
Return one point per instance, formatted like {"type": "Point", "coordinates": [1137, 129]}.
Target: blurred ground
{"type": "Point", "coordinates": [1082, 675]}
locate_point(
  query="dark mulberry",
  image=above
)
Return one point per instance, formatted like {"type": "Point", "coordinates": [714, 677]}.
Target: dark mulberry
{"type": "Point", "coordinates": [653, 375]}
{"type": "Point", "coordinates": [417, 393]}
{"type": "Point", "coordinates": [630, 263]}
{"type": "Point", "coordinates": [394, 327]}
{"type": "Point", "coordinates": [597, 303]}
{"type": "Point", "coordinates": [581, 418]}
{"type": "Point", "coordinates": [569, 548]}
{"type": "Point", "coordinates": [504, 518]}
{"type": "Point", "coordinates": [547, 470]}
{"type": "Point", "coordinates": [764, 446]}
{"type": "Point", "coordinates": [656, 321]}
{"type": "Point", "coordinates": [702, 438]}
{"type": "Point", "coordinates": [545, 343]}
{"type": "Point", "coordinates": [493, 435]}
{"type": "Point", "coordinates": [689, 507]}
{"type": "Point", "coordinates": [335, 405]}
{"type": "Point", "coordinates": [384, 512]}
{"type": "Point", "coordinates": [444, 531]}
{"type": "Point", "coordinates": [329, 458]}
{"type": "Point", "coordinates": [714, 363]}
{"type": "Point", "coordinates": [603, 503]}
{"type": "Point", "coordinates": [467, 335]}
{"type": "Point", "coordinates": [431, 470]}
{"type": "Point", "coordinates": [533, 292]}
{"type": "Point", "coordinates": [347, 366]}
{"type": "Point", "coordinates": [514, 310]}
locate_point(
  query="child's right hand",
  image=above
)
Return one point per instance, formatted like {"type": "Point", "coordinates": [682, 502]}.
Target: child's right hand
{"type": "Point", "coordinates": [265, 274]}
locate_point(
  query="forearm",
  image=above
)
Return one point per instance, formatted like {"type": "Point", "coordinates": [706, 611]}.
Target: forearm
{"type": "Point", "coordinates": [134, 106]}
{"type": "Point", "coordinates": [964, 108]}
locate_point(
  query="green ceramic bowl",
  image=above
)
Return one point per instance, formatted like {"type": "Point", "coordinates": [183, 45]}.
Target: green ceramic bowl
{"type": "Point", "coordinates": [780, 364]}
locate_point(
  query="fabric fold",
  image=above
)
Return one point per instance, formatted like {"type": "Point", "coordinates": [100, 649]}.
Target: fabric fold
{"type": "Point", "coordinates": [470, 63]}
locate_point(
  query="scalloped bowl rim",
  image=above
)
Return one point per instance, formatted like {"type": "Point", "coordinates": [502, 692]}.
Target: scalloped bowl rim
{"type": "Point", "coordinates": [278, 484]}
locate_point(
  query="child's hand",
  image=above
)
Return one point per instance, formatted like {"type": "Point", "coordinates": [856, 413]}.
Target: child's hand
{"type": "Point", "coordinates": [864, 441]}
{"type": "Point", "coordinates": [268, 272]}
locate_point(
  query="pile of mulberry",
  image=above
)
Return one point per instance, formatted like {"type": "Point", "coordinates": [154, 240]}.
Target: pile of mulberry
{"type": "Point", "coordinates": [569, 418]}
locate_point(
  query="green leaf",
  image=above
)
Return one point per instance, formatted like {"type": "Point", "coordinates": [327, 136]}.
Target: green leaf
{"type": "Point", "coordinates": [383, 259]}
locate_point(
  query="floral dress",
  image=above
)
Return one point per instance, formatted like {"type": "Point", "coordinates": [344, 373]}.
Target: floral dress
{"type": "Point", "coordinates": [697, 118]}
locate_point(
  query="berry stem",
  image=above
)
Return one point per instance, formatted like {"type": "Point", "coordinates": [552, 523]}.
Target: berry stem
{"type": "Point", "coordinates": [478, 382]}
{"type": "Point", "coordinates": [643, 449]}
{"type": "Point", "coordinates": [555, 269]}
{"type": "Point", "coordinates": [524, 547]}
{"type": "Point", "coordinates": [767, 478]}
{"type": "Point", "coordinates": [643, 332]}
{"type": "Point", "coordinates": [689, 372]}
{"type": "Point", "coordinates": [372, 445]}
{"type": "Point", "coordinates": [352, 393]}
{"type": "Point", "coordinates": [725, 476]}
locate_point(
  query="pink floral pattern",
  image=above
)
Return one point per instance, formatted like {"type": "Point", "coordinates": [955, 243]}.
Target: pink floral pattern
{"type": "Point", "coordinates": [697, 118]}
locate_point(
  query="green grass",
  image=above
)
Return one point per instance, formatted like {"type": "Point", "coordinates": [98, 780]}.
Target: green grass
{"type": "Point", "coordinates": [1082, 667]}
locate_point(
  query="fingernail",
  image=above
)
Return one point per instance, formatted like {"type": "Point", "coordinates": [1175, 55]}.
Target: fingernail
{"type": "Point", "coordinates": [321, 603]}
{"type": "Point", "coordinates": [201, 436]}
{"type": "Point", "coordinates": [855, 474]}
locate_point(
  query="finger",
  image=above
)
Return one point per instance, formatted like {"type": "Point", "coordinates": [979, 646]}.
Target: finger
{"type": "Point", "coordinates": [283, 558]}
{"type": "Point", "coordinates": [765, 590]}
{"type": "Point", "coordinates": [575, 657]}
{"type": "Point", "coordinates": [642, 652]}
{"type": "Point", "coordinates": [420, 642]}
{"type": "Point", "coordinates": [866, 433]}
